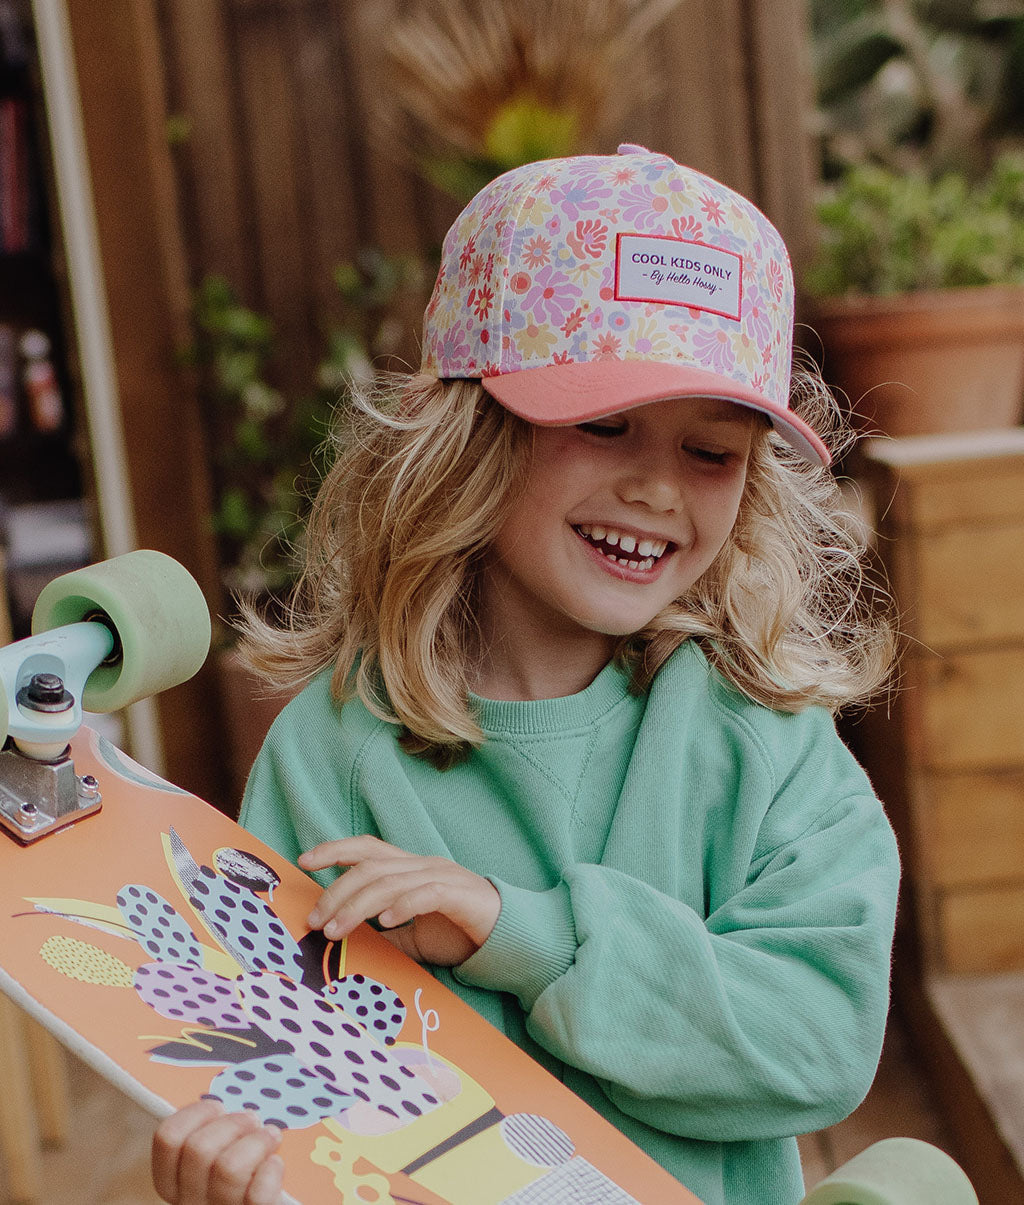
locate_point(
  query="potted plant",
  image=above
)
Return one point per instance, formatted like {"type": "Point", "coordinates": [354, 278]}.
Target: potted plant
{"type": "Point", "coordinates": [915, 296]}
{"type": "Point", "coordinates": [919, 297]}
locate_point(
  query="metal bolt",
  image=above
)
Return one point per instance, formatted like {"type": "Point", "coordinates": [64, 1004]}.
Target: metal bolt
{"type": "Point", "coordinates": [45, 692]}
{"type": "Point", "coordinates": [88, 787]}
{"type": "Point", "coordinates": [27, 813]}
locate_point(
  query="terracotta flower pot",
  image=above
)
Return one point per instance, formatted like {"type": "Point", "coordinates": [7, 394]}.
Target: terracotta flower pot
{"type": "Point", "coordinates": [929, 362]}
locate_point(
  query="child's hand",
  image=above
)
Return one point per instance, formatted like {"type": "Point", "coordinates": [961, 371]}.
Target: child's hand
{"type": "Point", "coordinates": [205, 1156]}
{"type": "Point", "coordinates": [431, 909]}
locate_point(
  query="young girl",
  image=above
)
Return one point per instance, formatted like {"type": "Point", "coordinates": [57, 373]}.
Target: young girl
{"type": "Point", "coordinates": [579, 601]}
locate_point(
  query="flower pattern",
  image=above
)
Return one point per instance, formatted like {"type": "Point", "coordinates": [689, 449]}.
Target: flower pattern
{"type": "Point", "coordinates": [529, 275]}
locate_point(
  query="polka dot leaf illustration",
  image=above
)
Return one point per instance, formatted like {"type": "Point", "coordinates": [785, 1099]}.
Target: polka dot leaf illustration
{"type": "Point", "coordinates": [246, 926]}
{"type": "Point", "coordinates": [159, 928]}
{"type": "Point", "coordinates": [281, 1091]}
{"type": "Point", "coordinates": [188, 994]}
{"type": "Point", "coordinates": [327, 1041]}
{"type": "Point", "coordinates": [374, 1005]}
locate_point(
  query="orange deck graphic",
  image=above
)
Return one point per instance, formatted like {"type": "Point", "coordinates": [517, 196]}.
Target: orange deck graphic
{"type": "Point", "coordinates": [170, 949]}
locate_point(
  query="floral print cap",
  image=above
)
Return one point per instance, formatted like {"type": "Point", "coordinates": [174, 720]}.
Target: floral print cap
{"type": "Point", "coordinates": [576, 288]}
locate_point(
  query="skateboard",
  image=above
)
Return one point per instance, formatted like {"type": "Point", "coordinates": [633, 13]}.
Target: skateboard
{"type": "Point", "coordinates": [168, 948]}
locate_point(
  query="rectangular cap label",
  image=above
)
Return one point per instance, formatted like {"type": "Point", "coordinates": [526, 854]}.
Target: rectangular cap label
{"type": "Point", "coordinates": [673, 271]}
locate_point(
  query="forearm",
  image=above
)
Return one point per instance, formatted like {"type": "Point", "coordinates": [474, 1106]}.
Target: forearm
{"type": "Point", "coordinates": [763, 1019]}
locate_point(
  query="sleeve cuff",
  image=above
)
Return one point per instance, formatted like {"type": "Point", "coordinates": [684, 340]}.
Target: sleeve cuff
{"type": "Point", "coordinates": [532, 944]}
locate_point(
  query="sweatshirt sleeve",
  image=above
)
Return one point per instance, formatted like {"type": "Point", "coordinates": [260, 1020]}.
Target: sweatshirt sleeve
{"type": "Point", "coordinates": [762, 1019]}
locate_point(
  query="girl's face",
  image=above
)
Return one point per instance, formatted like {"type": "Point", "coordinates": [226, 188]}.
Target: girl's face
{"type": "Point", "coordinates": [618, 518]}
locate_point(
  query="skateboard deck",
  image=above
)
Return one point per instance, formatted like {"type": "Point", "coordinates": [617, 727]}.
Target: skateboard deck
{"type": "Point", "coordinates": [168, 948]}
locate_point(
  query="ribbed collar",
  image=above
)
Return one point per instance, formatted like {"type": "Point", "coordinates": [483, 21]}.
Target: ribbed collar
{"type": "Point", "coordinates": [580, 710]}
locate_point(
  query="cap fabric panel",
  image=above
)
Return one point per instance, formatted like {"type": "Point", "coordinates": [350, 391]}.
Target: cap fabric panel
{"type": "Point", "coordinates": [632, 270]}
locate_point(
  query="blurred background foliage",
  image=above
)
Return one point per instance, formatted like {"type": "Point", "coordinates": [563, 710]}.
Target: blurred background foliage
{"type": "Point", "coordinates": [920, 121]}
{"type": "Point", "coordinates": [926, 85]}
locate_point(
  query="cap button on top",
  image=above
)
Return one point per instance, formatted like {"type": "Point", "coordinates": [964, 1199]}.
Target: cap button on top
{"type": "Point", "coordinates": [631, 148]}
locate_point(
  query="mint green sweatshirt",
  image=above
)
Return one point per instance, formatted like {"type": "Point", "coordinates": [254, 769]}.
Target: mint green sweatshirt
{"type": "Point", "coordinates": [697, 900]}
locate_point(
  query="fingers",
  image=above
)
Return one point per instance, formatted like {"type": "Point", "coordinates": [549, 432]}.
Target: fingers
{"type": "Point", "coordinates": [347, 852]}
{"type": "Point", "coordinates": [374, 889]}
{"type": "Point", "coordinates": [204, 1156]}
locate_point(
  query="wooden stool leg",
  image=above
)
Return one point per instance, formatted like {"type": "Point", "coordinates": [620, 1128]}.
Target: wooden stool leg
{"type": "Point", "coordinates": [19, 1134]}
{"type": "Point", "coordinates": [49, 1072]}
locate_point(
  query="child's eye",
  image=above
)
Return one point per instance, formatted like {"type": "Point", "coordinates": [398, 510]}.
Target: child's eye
{"type": "Point", "coordinates": [707, 456]}
{"type": "Point", "coordinates": [603, 429]}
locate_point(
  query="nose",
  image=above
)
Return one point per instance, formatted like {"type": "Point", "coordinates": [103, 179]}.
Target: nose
{"type": "Point", "coordinates": [654, 480]}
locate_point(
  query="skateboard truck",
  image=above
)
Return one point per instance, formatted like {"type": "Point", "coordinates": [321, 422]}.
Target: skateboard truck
{"type": "Point", "coordinates": [104, 637]}
{"type": "Point", "coordinates": [40, 792]}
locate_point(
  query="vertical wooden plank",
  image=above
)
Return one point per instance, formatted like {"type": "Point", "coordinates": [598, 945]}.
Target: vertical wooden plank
{"type": "Point", "coordinates": [270, 133]}
{"type": "Point", "coordinates": [325, 121]}
{"type": "Point", "coordinates": [392, 212]}
{"type": "Point", "coordinates": [201, 75]}
{"type": "Point", "coordinates": [19, 1131]}
{"type": "Point", "coordinates": [780, 107]}
{"type": "Point", "coordinates": [120, 73]}
{"type": "Point", "coordinates": [704, 110]}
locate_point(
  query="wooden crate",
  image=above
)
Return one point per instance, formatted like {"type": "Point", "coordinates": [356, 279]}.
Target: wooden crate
{"type": "Point", "coordinates": [948, 756]}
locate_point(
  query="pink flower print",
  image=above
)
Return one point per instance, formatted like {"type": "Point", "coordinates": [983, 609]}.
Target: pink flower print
{"type": "Point", "coordinates": [544, 183]}
{"type": "Point", "coordinates": [573, 322]}
{"type": "Point", "coordinates": [642, 207]}
{"type": "Point", "coordinates": [687, 228]}
{"type": "Point", "coordinates": [562, 357]}
{"type": "Point", "coordinates": [682, 333]}
{"type": "Point", "coordinates": [619, 320]}
{"type": "Point", "coordinates": [607, 345]}
{"type": "Point", "coordinates": [776, 280]}
{"type": "Point", "coordinates": [489, 267]}
{"type": "Point", "coordinates": [467, 253]}
{"type": "Point", "coordinates": [482, 302]}
{"type": "Point", "coordinates": [520, 282]}
{"type": "Point", "coordinates": [537, 252]}
{"type": "Point", "coordinates": [589, 238]}
{"type": "Point", "coordinates": [551, 296]}
{"type": "Point", "coordinates": [476, 269]}
{"type": "Point", "coordinates": [625, 175]}
{"type": "Point", "coordinates": [610, 215]}
{"type": "Point", "coordinates": [714, 349]}
{"type": "Point", "coordinates": [712, 209]}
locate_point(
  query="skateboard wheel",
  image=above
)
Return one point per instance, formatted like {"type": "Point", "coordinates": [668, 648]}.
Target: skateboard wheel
{"type": "Point", "coordinates": [896, 1171]}
{"type": "Point", "coordinates": [155, 608]}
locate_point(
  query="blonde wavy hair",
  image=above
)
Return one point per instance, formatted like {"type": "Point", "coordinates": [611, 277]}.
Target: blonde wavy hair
{"type": "Point", "coordinates": [426, 473]}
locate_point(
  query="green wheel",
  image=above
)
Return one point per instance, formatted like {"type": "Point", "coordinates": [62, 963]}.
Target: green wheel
{"type": "Point", "coordinates": [155, 608]}
{"type": "Point", "coordinates": [896, 1171]}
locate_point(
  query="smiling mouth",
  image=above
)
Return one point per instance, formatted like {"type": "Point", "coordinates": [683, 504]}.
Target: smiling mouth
{"type": "Point", "coordinates": [621, 548]}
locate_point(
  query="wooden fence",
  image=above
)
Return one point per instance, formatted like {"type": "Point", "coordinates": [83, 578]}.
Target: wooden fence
{"type": "Point", "coordinates": [282, 177]}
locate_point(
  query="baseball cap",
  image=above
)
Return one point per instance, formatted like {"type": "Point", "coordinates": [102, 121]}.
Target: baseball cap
{"type": "Point", "coordinates": [580, 287]}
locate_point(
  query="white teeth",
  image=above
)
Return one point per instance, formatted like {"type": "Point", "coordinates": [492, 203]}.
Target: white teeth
{"type": "Point", "coordinates": [649, 550]}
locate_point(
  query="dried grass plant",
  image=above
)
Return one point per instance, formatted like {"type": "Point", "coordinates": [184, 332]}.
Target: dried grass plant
{"type": "Point", "coordinates": [475, 87]}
